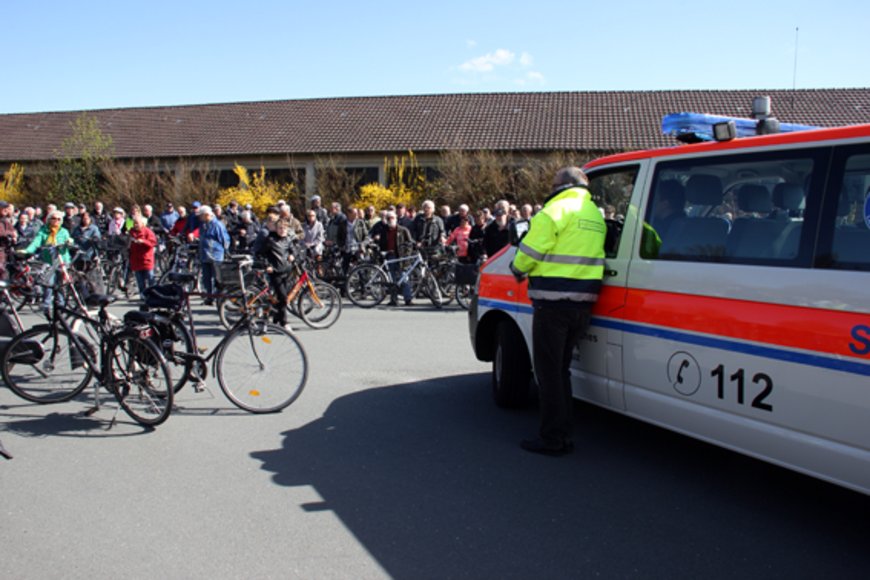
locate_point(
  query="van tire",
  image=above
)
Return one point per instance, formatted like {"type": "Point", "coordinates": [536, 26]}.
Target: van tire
{"type": "Point", "coordinates": [511, 368]}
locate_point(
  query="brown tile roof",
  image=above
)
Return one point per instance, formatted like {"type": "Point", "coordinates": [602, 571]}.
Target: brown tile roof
{"type": "Point", "coordinates": [597, 121]}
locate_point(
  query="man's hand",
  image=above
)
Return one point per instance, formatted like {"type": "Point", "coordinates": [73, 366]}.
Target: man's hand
{"type": "Point", "coordinates": [518, 276]}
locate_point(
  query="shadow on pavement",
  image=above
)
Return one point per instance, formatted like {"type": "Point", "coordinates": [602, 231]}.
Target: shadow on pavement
{"type": "Point", "coordinates": [430, 479]}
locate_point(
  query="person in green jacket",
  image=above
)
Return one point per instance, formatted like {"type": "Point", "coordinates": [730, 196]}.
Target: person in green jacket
{"type": "Point", "coordinates": [51, 234]}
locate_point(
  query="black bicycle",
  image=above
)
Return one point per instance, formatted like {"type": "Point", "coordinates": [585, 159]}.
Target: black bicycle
{"type": "Point", "coordinates": [51, 363]}
{"type": "Point", "coordinates": [260, 366]}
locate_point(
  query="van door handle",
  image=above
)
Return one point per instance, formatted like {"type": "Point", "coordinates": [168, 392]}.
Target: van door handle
{"type": "Point", "coordinates": [610, 272]}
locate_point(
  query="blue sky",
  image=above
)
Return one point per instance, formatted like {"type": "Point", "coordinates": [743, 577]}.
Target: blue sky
{"type": "Point", "coordinates": [97, 54]}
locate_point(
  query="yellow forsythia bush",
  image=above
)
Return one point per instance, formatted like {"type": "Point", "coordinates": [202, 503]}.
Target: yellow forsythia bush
{"type": "Point", "coordinates": [256, 190]}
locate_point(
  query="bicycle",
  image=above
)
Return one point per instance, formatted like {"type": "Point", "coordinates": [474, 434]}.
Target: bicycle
{"type": "Point", "coordinates": [22, 286]}
{"type": "Point", "coordinates": [182, 259]}
{"type": "Point", "coordinates": [260, 366]}
{"type": "Point", "coordinates": [10, 321]}
{"type": "Point", "coordinates": [52, 363]}
{"type": "Point", "coordinates": [368, 284]}
{"type": "Point", "coordinates": [317, 303]}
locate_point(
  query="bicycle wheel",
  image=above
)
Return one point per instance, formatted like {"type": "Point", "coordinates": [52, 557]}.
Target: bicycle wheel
{"type": "Point", "coordinates": [261, 368]}
{"type": "Point", "coordinates": [175, 341]}
{"type": "Point", "coordinates": [367, 285]}
{"type": "Point", "coordinates": [44, 365]}
{"type": "Point", "coordinates": [433, 290]}
{"type": "Point", "coordinates": [139, 378]}
{"type": "Point", "coordinates": [464, 293]}
{"type": "Point", "coordinates": [230, 309]}
{"type": "Point", "coordinates": [321, 312]}
{"type": "Point", "coordinates": [446, 282]}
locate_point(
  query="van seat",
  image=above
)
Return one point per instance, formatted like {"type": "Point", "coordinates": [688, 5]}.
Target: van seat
{"type": "Point", "coordinates": [754, 237]}
{"type": "Point", "coordinates": [696, 237]}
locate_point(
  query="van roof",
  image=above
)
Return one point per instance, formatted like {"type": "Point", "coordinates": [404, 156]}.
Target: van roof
{"type": "Point", "coordinates": [812, 136]}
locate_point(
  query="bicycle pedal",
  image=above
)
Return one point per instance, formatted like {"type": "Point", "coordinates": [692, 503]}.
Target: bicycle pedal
{"type": "Point", "coordinates": [199, 387]}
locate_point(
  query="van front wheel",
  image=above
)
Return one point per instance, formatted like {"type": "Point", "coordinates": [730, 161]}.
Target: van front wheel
{"type": "Point", "coordinates": [511, 368]}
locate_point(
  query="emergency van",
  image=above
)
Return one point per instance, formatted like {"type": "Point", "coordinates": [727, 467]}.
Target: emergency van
{"type": "Point", "coordinates": [736, 299]}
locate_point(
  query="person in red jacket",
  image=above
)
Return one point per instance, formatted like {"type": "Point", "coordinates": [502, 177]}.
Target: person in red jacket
{"type": "Point", "coordinates": [142, 244]}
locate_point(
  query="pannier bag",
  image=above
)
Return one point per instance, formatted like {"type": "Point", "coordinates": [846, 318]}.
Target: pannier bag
{"type": "Point", "coordinates": [164, 296]}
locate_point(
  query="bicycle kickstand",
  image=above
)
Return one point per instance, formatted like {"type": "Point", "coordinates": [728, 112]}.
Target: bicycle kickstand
{"type": "Point", "coordinates": [3, 452]}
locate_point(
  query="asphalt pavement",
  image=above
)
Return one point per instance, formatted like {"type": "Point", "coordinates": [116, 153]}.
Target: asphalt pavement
{"type": "Point", "coordinates": [395, 463]}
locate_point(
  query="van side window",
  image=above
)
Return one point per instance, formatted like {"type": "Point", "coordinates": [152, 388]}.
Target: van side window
{"type": "Point", "coordinates": [612, 191]}
{"type": "Point", "coordinates": [850, 244]}
{"type": "Point", "coordinates": [746, 209]}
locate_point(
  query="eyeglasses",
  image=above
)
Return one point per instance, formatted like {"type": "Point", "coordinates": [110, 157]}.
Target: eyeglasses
{"type": "Point", "coordinates": [54, 219]}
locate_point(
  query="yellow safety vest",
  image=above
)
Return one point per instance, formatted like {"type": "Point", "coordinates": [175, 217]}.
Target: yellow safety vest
{"type": "Point", "coordinates": [563, 252]}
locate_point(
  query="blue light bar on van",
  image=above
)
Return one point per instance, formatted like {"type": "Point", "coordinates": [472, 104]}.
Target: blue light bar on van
{"type": "Point", "coordinates": [695, 127]}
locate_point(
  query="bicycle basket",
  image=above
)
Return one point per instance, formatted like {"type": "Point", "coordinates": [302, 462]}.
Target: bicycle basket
{"type": "Point", "coordinates": [164, 296]}
{"type": "Point", "coordinates": [227, 275]}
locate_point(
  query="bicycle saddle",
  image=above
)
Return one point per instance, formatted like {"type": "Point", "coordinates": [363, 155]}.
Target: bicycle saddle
{"type": "Point", "coordinates": [181, 277]}
{"type": "Point", "coordinates": [99, 300]}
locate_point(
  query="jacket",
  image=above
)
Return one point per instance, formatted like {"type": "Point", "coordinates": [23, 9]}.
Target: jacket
{"type": "Point", "coordinates": [214, 240]}
{"type": "Point", "coordinates": [276, 251]}
{"type": "Point", "coordinates": [563, 252]}
{"type": "Point", "coordinates": [62, 240]}
{"type": "Point", "coordinates": [142, 244]}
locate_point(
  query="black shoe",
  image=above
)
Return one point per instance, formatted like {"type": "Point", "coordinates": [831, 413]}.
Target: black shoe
{"type": "Point", "coordinates": [208, 302]}
{"type": "Point", "coordinates": [538, 446]}
{"type": "Point", "coordinates": [392, 303]}
{"type": "Point", "coordinates": [409, 302]}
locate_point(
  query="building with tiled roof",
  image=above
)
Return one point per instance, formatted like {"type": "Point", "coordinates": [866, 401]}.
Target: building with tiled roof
{"type": "Point", "coordinates": [362, 130]}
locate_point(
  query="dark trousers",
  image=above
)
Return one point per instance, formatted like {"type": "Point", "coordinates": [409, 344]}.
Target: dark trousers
{"type": "Point", "coordinates": [280, 286]}
{"type": "Point", "coordinates": [555, 331]}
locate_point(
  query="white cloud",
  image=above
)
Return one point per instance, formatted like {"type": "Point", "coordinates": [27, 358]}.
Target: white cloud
{"type": "Point", "coordinates": [488, 62]}
{"type": "Point", "coordinates": [470, 43]}
{"type": "Point", "coordinates": [526, 59]}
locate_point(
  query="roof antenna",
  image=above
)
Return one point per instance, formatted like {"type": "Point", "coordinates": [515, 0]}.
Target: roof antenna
{"type": "Point", "coordinates": [794, 72]}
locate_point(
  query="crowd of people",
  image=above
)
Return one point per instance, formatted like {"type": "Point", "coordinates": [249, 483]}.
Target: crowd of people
{"type": "Point", "coordinates": [322, 229]}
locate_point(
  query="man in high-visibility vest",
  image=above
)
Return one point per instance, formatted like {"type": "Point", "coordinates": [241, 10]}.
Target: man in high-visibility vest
{"type": "Point", "coordinates": [563, 257]}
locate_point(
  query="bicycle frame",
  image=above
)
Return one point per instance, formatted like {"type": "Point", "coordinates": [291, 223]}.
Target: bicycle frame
{"type": "Point", "coordinates": [417, 260]}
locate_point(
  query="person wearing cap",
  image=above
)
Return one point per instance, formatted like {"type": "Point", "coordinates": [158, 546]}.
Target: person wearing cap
{"type": "Point", "coordinates": [168, 217]}
{"type": "Point", "coordinates": [118, 223]}
{"type": "Point", "coordinates": [562, 255]}
{"type": "Point", "coordinates": [214, 241]}
{"type": "Point", "coordinates": [319, 210]}
{"type": "Point", "coordinates": [8, 236]}
{"type": "Point", "coordinates": [70, 219]}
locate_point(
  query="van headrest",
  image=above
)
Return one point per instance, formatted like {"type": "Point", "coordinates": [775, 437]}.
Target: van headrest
{"type": "Point", "coordinates": [704, 190]}
{"type": "Point", "coordinates": [754, 198]}
{"type": "Point", "coordinates": [788, 196]}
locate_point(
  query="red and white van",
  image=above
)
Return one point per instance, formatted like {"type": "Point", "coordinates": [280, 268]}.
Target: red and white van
{"type": "Point", "coordinates": [745, 322]}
